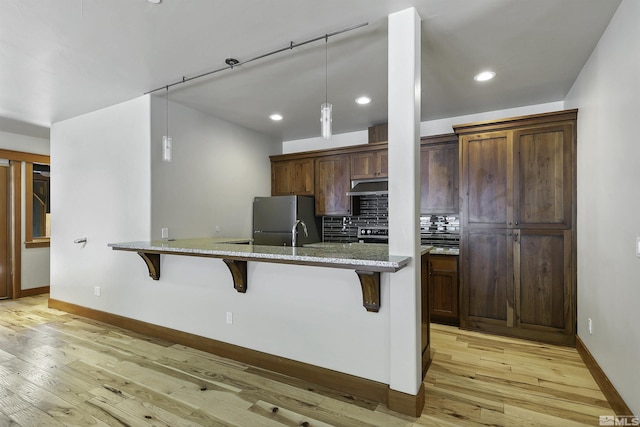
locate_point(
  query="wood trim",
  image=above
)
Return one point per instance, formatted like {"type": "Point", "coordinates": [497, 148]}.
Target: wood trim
{"type": "Point", "coordinates": [38, 243]}
{"type": "Point", "coordinates": [21, 156]}
{"type": "Point", "coordinates": [513, 122]}
{"type": "Point", "coordinates": [34, 291]}
{"type": "Point", "coordinates": [613, 397]}
{"type": "Point", "coordinates": [445, 138]}
{"type": "Point", "coordinates": [344, 383]}
{"type": "Point", "coordinates": [16, 198]}
{"type": "Point", "coordinates": [404, 403]}
{"type": "Point", "coordinates": [28, 201]}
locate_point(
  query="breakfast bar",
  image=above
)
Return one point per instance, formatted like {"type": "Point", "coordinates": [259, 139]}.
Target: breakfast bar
{"type": "Point", "coordinates": [367, 260]}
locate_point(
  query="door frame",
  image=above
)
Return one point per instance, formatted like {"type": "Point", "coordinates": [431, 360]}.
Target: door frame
{"type": "Point", "coordinates": [16, 158]}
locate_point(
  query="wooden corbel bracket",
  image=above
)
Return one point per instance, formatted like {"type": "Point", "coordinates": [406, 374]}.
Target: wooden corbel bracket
{"type": "Point", "coordinates": [239, 273]}
{"type": "Point", "coordinates": [153, 264]}
{"type": "Point", "coordinates": [370, 283]}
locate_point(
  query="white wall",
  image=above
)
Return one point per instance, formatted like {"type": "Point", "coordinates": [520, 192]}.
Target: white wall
{"type": "Point", "coordinates": [319, 143]}
{"type": "Point", "coordinates": [606, 92]}
{"type": "Point", "coordinates": [102, 169]}
{"type": "Point", "coordinates": [100, 189]}
{"type": "Point", "coordinates": [27, 144]}
{"type": "Point", "coordinates": [427, 128]}
{"type": "Point", "coordinates": [34, 271]}
{"type": "Point", "coordinates": [217, 169]}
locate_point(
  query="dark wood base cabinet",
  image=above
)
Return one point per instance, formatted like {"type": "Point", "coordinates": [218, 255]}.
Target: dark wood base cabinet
{"type": "Point", "coordinates": [519, 283]}
{"type": "Point", "coordinates": [443, 289]}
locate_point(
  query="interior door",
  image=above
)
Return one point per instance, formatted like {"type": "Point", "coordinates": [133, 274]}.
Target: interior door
{"type": "Point", "coordinates": [5, 266]}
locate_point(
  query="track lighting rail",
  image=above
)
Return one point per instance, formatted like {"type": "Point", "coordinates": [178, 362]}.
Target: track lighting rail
{"type": "Point", "coordinates": [232, 63]}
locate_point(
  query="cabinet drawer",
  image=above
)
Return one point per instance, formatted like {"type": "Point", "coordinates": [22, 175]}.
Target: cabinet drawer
{"type": "Point", "coordinates": [443, 263]}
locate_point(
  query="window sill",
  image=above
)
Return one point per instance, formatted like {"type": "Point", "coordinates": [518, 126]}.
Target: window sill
{"type": "Point", "coordinates": [37, 243]}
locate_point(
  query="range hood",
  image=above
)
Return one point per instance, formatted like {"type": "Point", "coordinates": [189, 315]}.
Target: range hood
{"type": "Point", "coordinates": [369, 187]}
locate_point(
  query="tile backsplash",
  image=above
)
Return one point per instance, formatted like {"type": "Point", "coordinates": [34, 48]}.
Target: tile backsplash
{"type": "Point", "coordinates": [374, 210]}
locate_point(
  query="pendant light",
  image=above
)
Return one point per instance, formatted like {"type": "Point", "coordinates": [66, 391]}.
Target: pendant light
{"type": "Point", "coordinates": [166, 139]}
{"type": "Point", "coordinates": [326, 108]}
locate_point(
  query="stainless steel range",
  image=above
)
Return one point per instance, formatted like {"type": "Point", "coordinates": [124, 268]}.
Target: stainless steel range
{"type": "Point", "coordinates": [440, 231]}
{"type": "Point", "coordinates": [373, 234]}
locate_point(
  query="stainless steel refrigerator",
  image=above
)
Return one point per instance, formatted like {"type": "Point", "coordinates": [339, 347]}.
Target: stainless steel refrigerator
{"type": "Point", "coordinates": [274, 218]}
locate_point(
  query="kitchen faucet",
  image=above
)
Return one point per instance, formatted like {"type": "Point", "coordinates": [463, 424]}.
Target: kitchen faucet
{"type": "Point", "coordinates": [294, 231]}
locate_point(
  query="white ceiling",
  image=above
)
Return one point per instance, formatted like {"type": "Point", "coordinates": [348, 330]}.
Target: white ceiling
{"type": "Point", "coordinates": [60, 59]}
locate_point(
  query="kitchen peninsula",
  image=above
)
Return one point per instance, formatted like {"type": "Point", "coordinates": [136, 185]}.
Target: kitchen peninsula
{"type": "Point", "coordinates": [368, 260]}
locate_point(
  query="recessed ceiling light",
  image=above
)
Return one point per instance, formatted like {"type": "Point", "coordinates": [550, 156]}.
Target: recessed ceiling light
{"type": "Point", "coordinates": [484, 76]}
{"type": "Point", "coordinates": [154, 1]}
{"type": "Point", "coordinates": [276, 117]}
{"type": "Point", "coordinates": [363, 100]}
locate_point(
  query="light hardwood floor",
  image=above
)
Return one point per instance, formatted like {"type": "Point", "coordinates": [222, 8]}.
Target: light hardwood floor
{"type": "Point", "coordinates": [59, 369]}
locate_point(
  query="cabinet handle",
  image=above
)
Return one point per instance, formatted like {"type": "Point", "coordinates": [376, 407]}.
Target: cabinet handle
{"type": "Point", "coordinates": [516, 222]}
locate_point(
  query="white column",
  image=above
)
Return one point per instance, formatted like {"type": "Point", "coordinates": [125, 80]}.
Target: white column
{"type": "Point", "coordinates": [404, 199]}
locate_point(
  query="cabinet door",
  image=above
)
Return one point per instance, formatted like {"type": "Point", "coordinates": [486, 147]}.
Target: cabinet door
{"type": "Point", "coordinates": [443, 288]}
{"type": "Point", "coordinates": [543, 177]}
{"type": "Point", "coordinates": [487, 180]}
{"type": "Point", "coordinates": [383, 163]}
{"type": "Point", "coordinates": [424, 312]}
{"type": "Point", "coordinates": [303, 177]}
{"type": "Point", "coordinates": [281, 178]}
{"type": "Point", "coordinates": [487, 278]}
{"type": "Point", "coordinates": [369, 164]}
{"type": "Point", "coordinates": [292, 177]}
{"type": "Point", "coordinates": [543, 281]}
{"type": "Point", "coordinates": [439, 179]}
{"type": "Point", "coordinates": [332, 183]}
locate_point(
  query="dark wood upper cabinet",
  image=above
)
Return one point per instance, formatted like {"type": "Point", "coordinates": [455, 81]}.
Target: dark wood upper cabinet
{"type": "Point", "coordinates": [379, 133]}
{"type": "Point", "coordinates": [542, 176]}
{"type": "Point", "coordinates": [370, 164]}
{"type": "Point", "coordinates": [487, 180]}
{"type": "Point", "coordinates": [292, 177]}
{"type": "Point", "coordinates": [518, 178]}
{"type": "Point", "coordinates": [439, 175]}
{"type": "Point", "coordinates": [333, 175]}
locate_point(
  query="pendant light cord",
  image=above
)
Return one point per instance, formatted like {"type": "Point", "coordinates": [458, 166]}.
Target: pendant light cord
{"type": "Point", "coordinates": [326, 69]}
{"type": "Point", "coordinates": [167, 111]}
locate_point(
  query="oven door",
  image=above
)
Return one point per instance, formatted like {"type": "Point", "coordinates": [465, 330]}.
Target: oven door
{"type": "Point", "coordinates": [373, 240]}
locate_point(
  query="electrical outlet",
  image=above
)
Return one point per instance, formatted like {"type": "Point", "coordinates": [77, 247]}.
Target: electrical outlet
{"type": "Point", "coordinates": [96, 291]}
{"type": "Point", "coordinates": [638, 246]}
{"type": "Point", "coordinates": [218, 229]}
{"type": "Point", "coordinates": [165, 233]}
{"type": "Point", "coordinates": [229, 318]}
{"type": "Point", "coordinates": [590, 326]}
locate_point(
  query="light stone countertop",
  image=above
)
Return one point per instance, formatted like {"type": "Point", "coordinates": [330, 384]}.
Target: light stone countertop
{"type": "Point", "coordinates": [365, 256]}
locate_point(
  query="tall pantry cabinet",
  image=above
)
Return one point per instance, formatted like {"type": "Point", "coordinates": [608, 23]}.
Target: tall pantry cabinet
{"type": "Point", "coordinates": [517, 251]}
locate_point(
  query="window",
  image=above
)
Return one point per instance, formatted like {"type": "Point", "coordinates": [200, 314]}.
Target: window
{"type": "Point", "coordinates": [37, 204]}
